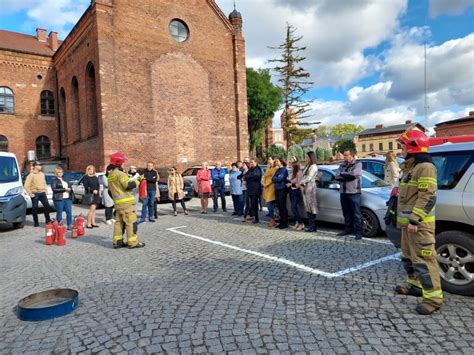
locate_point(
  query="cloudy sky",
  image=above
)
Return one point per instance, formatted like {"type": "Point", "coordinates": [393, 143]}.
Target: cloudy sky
{"type": "Point", "coordinates": [366, 57]}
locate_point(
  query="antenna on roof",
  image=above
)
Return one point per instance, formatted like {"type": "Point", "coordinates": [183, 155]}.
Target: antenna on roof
{"type": "Point", "coordinates": [426, 93]}
{"type": "Point", "coordinates": [234, 6]}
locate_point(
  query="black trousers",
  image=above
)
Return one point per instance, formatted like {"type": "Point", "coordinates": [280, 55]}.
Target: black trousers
{"type": "Point", "coordinates": [40, 196]}
{"type": "Point", "coordinates": [254, 207]}
{"type": "Point", "coordinates": [281, 202]}
{"type": "Point", "coordinates": [109, 213]}
{"type": "Point", "coordinates": [173, 202]}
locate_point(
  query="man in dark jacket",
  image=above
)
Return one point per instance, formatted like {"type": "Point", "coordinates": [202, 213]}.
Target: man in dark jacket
{"type": "Point", "coordinates": [151, 177]}
{"type": "Point", "coordinates": [349, 176]}
{"type": "Point", "coordinates": [253, 179]}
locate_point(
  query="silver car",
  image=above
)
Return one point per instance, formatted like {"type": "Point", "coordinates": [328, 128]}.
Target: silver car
{"type": "Point", "coordinates": [375, 193]}
{"type": "Point", "coordinates": [78, 191]}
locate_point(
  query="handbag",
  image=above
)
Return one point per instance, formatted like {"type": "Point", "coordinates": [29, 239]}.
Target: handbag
{"type": "Point", "coordinates": [88, 198]}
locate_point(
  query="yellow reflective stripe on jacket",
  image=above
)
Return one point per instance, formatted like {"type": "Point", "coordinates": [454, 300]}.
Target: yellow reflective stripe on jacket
{"type": "Point", "coordinates": [436, 294]}
{"type": "Point", "coordinates": [428, 179]}
{"type": "Point", "coordinates": [406, 220]}
{"type": "Point", "coordinates": [414, 281]}
{"type": "Point", "coordinates": [121, 199]}
{"type": "Point", "coordinates": [419, 212]}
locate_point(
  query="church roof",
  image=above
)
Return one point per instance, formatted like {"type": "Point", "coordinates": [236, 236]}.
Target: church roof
{"type": "Point", "coordinates": [23, 43]}
{"type": "Point", "coordinates": [235, 14]}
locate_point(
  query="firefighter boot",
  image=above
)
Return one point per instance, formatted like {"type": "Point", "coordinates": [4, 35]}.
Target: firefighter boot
{"type": "Point", "coordinates": [409, 290]}
{"type": "Point", "coordinates": [117, 244]}
{"type": "Point", "coordinates": [426, 308]}
{"type": "Point", "coordinates": [136, 245]}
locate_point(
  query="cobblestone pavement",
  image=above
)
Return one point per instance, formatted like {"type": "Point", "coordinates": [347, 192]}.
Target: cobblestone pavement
{"type": "Point", "coordinates": [240, 289]}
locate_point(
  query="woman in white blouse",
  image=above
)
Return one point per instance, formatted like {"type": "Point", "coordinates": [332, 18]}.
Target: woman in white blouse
{"type": "Point", "coordinates": [62, 197]}
{"type": "Point", "coordinates": [308, 186]}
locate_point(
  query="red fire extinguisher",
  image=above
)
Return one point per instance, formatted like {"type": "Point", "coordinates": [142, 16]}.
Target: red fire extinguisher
{"type": "Point", "coordinates": [142, 193]}
{"type": "Point", "coordinates": [80, 225]}
{"type": "Point", "coordinates": [61, 235]}
{"type": "Point", "coordinates": [50, 234]}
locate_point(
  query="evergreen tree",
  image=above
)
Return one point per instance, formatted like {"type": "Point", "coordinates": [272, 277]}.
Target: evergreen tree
{"type": "Point", "coordinates": [294, 84]}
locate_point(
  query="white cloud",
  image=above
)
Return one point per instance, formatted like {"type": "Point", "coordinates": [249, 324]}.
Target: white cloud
{"type": "Point", "coordinates": [447, 115]}
{"type": "Point", "coordinates": [449, 7]}
{"type": "Point", "coordinates": [52, 15]}
{"type": "Point", "coordinates": [334, 34]}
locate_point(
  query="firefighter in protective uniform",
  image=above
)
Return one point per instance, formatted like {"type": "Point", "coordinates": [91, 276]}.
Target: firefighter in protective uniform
{"type": "Point", "coordinates": [121, 188]}
{"type": "Point", "coordinates": [416, 218]}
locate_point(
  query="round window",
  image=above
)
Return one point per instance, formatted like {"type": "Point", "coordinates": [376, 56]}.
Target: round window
{"type": "Point", "coordinates": [179, 30]}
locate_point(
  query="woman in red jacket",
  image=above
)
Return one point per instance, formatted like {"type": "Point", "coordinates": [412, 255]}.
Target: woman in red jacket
{"type": "Point", "coordinates": [203, 186]}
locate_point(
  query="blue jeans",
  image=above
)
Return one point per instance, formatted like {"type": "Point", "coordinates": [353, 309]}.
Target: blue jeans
{"type": "Point", "coordinates": [149, 204]}
{"type": "Point", "coordinates": [219, 191]}
{"type": "Point", "coordinates": [350, 204]}
{"type": "Point", "coordinates": [296, 197]}
{"type": "Point", "coordinates": [66, 206]}
{"type": "Point", "coordinates": [238, 201]}
{"type": "Point", "coordinates": [271, 209]}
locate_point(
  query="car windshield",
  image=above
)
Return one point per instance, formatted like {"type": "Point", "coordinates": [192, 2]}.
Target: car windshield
{"type": "Point", "coordinates": [69, 176]}
{"type": "Point", "coordinates": [8, 170]}
{"type": "Point", "coordinates": [368, 180]}
{"type": "Point", "coordinates": [49, 179]}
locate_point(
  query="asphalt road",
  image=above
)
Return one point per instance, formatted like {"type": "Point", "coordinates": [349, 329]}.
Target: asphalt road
{"type": "Point", "coordinates": [212, 284]}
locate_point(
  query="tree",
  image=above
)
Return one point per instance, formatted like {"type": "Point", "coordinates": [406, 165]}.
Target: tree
{"type": "Point", "coordinates": [319, 154]}
{"type": "Point", "coordinates": [263, 100]}
{"type": "Point", "coordinates": [346, 129]}
{"type": "Point", "coordinates": [276, 151]}
{"type": "Point", "coordinates": [294, 84]}
{"type": "Point", "coordinates": [327, 154]}
{"type": "Point", "coordinates": [342, 145]}
{"type": "Point", "coordinates": [322, 131]}
{"type": "Point", "coordinates": [300, 134]}
{"type": "Point", "coordinates": [296, 151]}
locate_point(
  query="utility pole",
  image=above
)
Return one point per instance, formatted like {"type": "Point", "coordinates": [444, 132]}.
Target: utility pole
{"type": "Point", "coordinates": [426, 93]}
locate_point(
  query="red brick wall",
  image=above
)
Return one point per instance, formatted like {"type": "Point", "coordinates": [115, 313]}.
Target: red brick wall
{"type": "Point", "coordinates": [20, 72]}
{"type": "Point", "coordinates": [82, 134]}
{"type": "Point", "coordinates": [455, 129]}
{"type": "Point", "coordinates": [173, 101]}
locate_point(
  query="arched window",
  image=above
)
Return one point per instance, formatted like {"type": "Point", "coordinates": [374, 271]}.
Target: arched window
{"type": "Point", "coordinates": [76, 117]}
{"type": "Point", "coordinates": [3, 144]}
{"type": "Point", "coordinates": [91, 101]}
{"type": "Point", "coordinates": [43, 147]}
{"type": "Point", "coordinates": [47, 103]}
{"type": "Point", "coordinates": [6, 100]}
{"type": "Point", "coordinates": [63, 115]}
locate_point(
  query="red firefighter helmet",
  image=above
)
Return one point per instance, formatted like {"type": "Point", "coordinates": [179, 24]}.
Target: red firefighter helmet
{"type": "Point", "coordinates": [415, 141]}
{"type": "Point", "coordinates": [118, 159]}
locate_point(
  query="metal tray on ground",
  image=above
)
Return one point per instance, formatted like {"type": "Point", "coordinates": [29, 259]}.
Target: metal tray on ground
{"type": "Point", "coordinates": [48, 304]}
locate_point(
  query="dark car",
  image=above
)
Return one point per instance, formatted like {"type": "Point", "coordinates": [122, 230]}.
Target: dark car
{"type": "Point", "coordinates": [163, 185]}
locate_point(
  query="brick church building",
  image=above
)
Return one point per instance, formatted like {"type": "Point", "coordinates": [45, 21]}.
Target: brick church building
{"type": "Point", "coordinates": [160, 80]}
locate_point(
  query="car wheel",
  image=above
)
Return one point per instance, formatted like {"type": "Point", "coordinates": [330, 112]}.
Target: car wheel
{"type": "Point", "coordinates": [370, 224]}
{"type": "Point", "coordinates": [18, 225]}
{"type": "Point", "coordinates": [455, 255]}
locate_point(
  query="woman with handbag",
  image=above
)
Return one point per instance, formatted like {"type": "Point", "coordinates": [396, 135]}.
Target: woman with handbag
{"type": "Point", "coordinates": [92, 196]}
{"type": "Point", "coordinates": [203, 186]}
{"type": "Point", "coordinates": [176, 190]}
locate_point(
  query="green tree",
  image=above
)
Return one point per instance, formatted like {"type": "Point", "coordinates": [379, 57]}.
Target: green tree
{"type": "Point", "coordinates": [296, 151]}
{"type": "Point", "coordinates": [327, 154]}
{"type": "Point", "coordinates": [345, 129]}
{"type": "Point", "coordinates": [294, 83]}
{"type": "Point", "coordinates": [342, 145]}
{"type": "Point", "coordinates": [263, 99]}
{"type": "Point", "coordinates": [276, 151]}
{"type": "Point", "coordinates": [322, 131]}
{"type": "Point", "coordinates": [300, 134]}
{"type": "Point", "coordinates": [319, 154]}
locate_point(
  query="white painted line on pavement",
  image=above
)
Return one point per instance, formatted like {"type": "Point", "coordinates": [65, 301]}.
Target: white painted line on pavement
{"type": "Point", "coordinates": [286, 261]}
{"type": "Point", "coordinates": [395, 256]}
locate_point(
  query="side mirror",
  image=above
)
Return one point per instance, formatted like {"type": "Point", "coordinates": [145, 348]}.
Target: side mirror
{"type": "Point", "coordinates": [334, 186]}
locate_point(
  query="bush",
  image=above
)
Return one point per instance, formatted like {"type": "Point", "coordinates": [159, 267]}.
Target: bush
{"type": "Point", "coordinates": [297, 152]}
{"type": "Point", "coordinates": [276, 151]}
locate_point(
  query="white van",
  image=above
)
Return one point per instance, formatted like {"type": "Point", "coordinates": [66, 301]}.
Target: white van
{"type": "Point", "coordinates": [12, 202]}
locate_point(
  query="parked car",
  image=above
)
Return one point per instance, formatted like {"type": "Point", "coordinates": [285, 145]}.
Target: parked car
{"type": "Point", "coordinates": [163, 185]}
{"type": "Point", "coordinates": [49, 193]}
{"type": "Point", "coordinates": [454, 216]}
{"type": "Point", "coordinates": [191, 173]}
{"type": "Point", "coordinates": [375, 193]}
{"type": "Point", "coordinates": [72, 177]}
{"type": "Point", "coordinates": [12, 202]}
{"type": "Point", "coordinates": [376, 166]}
{"type": "Point", "coordinates": [78, 192]}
